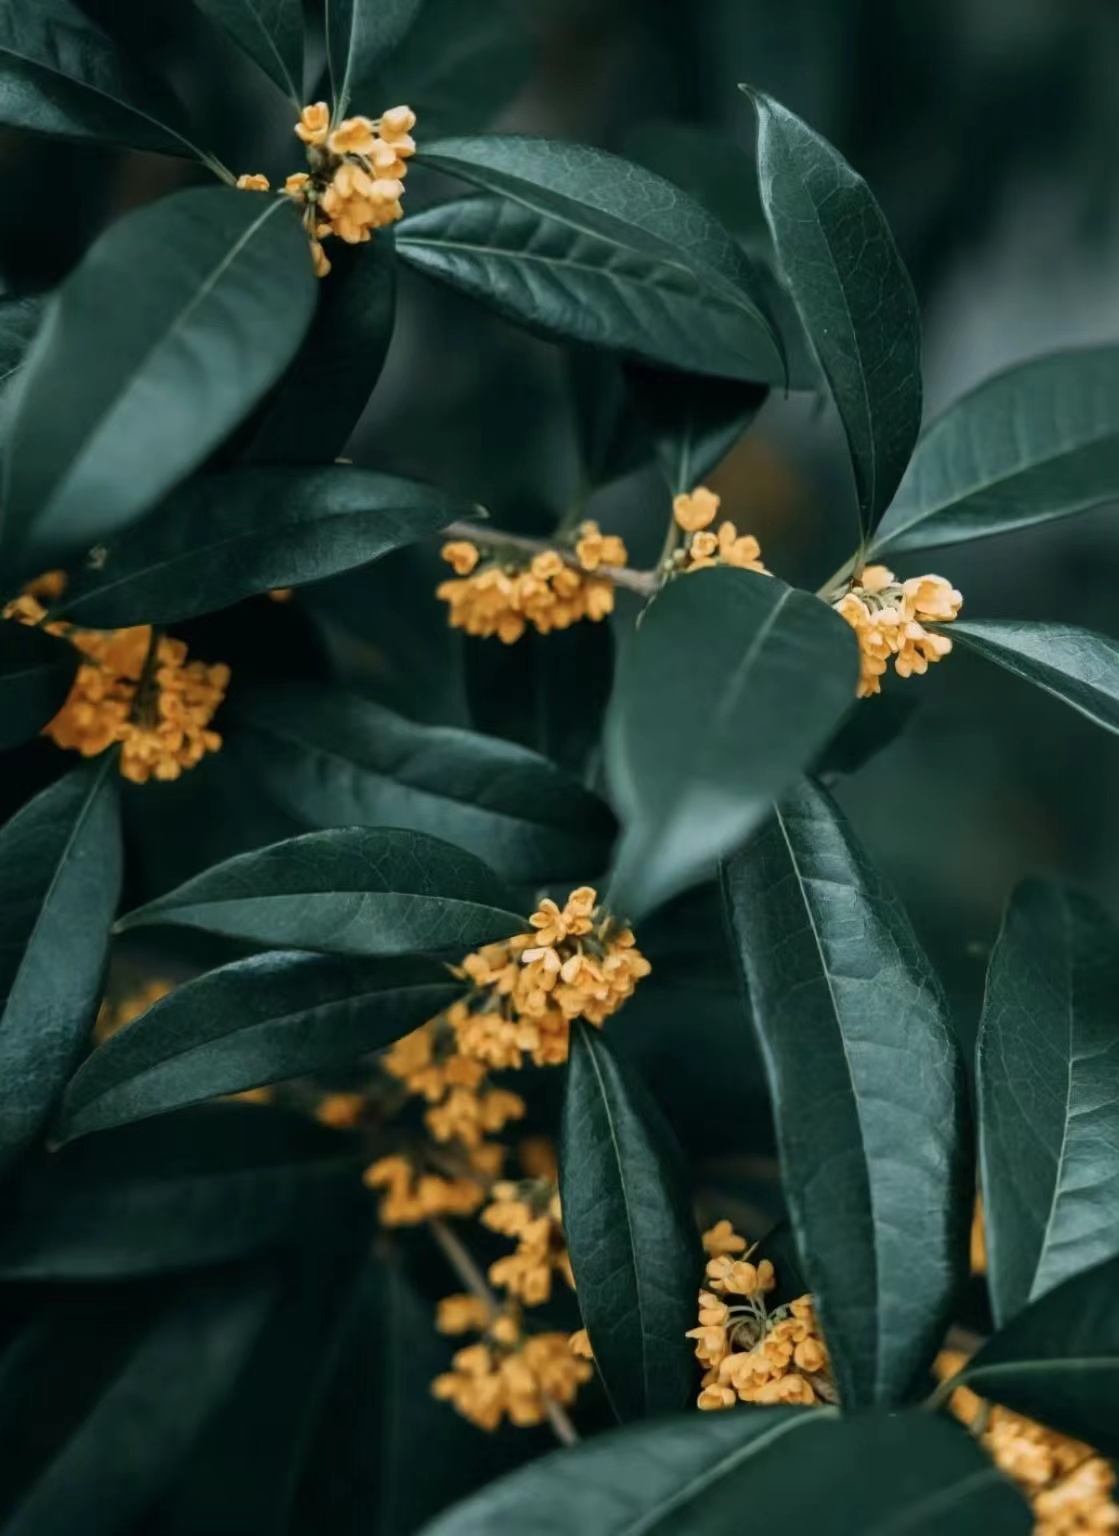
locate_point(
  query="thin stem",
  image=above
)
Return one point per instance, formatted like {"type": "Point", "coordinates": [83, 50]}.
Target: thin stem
{"type": "Point", "coordinates": [462, 1262]}
{"type": "Point", "coordinates": [840, 578]}
{"type": "Point", "coordinates": [645, 583]}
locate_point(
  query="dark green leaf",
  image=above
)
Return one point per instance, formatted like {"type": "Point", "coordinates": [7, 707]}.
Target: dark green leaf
{"type": "Point", "coordinates": [359, 35]}
{"type": "Point", "coordinates": [853, 295]}
{"type": "Point", "coordinates": [353, 891]}
{"type": "Point", "coordinates": [868, 1089]}
{"type": "Point", "coordinates": [580, 244]}
{"type": "Point", "coordinates": [731, 685]}
{"type": "Point", "coordinates": [36, 670]}
{"type": "Point", "coordinates": [171, 329]}
{"type": "Point", "coordinates": [19, 320]}
{"type": "Point", "coordinates": [144, 1423]}
{"type": "Point", "coordinates": [320, 401]}
{"type": "Point", "coordinates": [1058, 1361]}
{"type": "Point", "coordinates": [261, 1020]}
{"type": "Point", "coordinates": [335, 760]}
{"type": "Point", "coordinates": [270, 32]}
{"type": "Point", "coordinates": [695, 421]}
{"type": "Point", "coordinates": [634, 1248]}
{"type": "Point", "coordinates": [225, 537]}
{"type": "Point", "coordinates": [60, 874]}
{"type": "Point", "coordinates": [1077, 666]}
{"type": "Point", "coordinates": [202, 1186]}
{"type": "Point", "coordinates": [1048, 1070]}
{"type": "Point", "coordinates": [61, 74]}
{"type": "Point", "coordinates": [710, 166]}
{"type": "Point", "coordinates": [611, 437]}
{"type": "Point", "coordinates": [1036, 442]}
{"type": "Point", "coordinates": [865, 733]}
{"type": "Point", "coordinates": [867, 1475]}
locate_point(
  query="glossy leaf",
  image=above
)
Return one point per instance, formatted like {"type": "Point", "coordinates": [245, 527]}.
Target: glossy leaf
{"type": "Point", "coordinates": [320, 401]}
{"type": "Point", "coordinates": [853, 294]}
{"type": "Point", "coordinates": [874, 1138]}
{"type": "Point", "coordinates": [352, 891]}
{"type": "Point", "coordinates": [1058, 1361]}
{"type": "Point", "coordinates": [359, 34]}
{"type": "Point", "coordinates": [60, 874]}
{"type": "Point", "coordinates": [335, 760]}
{"type": "Point", "coordinates": [36, 671]}
{"type": "Point", "coordinates": [1036, 442]}
{"type": "Point", "coordinates": [697, 753]}
{"type": "Point", "coordinates": [270, 32]}
{"type": "Point", "coordinates": [695, 422]}
{"type": "Point", "coordinates": [143, 1423]}
{"type": "Point", "coordinates": [172, 328]}
{"type": "Point", "coordinates": [60, 74]}
{"type": "Point", "coordinates": [697, 1475]}
{"type": "Point", "coordinates": [227, 536]}
{"type": "Point", "coordinates": [19, 320]}
{"type": "Point", "coordinates": [573, 228]}
{"type": "Point", "coordinates": [262, 1020]}
{"type": "Point", "coordinates": [184, 1191]}
{"type": "Point", "coordinates": [1048, 1074]}
{"type": "Point", "coordinates": [1077, 666]}
{"type": "Point", "coordinates": [630, 1233]}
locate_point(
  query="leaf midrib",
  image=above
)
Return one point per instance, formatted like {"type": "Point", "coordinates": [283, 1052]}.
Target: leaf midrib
{"type": "Point", "coordinates": [1070, 1021]}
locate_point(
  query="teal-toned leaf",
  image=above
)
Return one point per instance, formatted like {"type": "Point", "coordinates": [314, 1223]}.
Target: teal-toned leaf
{"type": "Point", "coordinates": [610, 436]}
{"type": "Point", "coordinates": [319, 403]}
{"type": "Point", "coordinates": [1036, 442]}
{"type": "Point", "coordinates": [731, 685]}
{"type": "Point", "coordinates": [258, 1021]}
{"type": "Point", "coordinates": [354, 891]}
{"type": "Point", "coordinates": [1048, 1075]}
{"type": "Point", "coordinates": [36, 671]}
{"type": "Point", "coordinates": [874, 1136]}
{"type": "Point", "coordinates": [1077, 666]}
{"type": "Point", "coordinates": [172, 328]}
{"type": "Point", "coordinates": [359, 35]}
{"type": "Point", "coordinates": [19, 320]}
{"type": "Point", "coordinates": [694, 421]}
{"type": "Point", "coordinates": [335, 760]}
{"type": "Point", "coordinates": [634, 1248]}
{"type": "Point", "coordinates": [1058, 1361]}
{"type": "Point", "coordinates": [270, 32]}
{"type": "Point", "coordinates": [183, 1191]}
{"type": "Point", "coordinates": [225, 537]}
{"type": "Point", "coordinates": [147, 1415]}
{"type": "Point", "coordinates": [582, 245]}
{"type": "Point", "coordinates": [60, 74]}
{"type": "Point", "coordinates": [711, 166]}
{"type": "Point", "coordinates": [853, 294]}
{"type": "Point", "coordinates": [703, 1474]}
{"type": "Point", "coordinates": [60, 874]}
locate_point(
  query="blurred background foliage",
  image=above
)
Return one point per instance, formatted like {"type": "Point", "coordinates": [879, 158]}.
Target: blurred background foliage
{"type": "Point", "coordinates": [990, 134]}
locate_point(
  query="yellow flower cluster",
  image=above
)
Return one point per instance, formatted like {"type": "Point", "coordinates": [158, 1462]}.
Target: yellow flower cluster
{"type": "Point", "coordinates": [530, 1212]}
{"type": "Point", "coordinates": [886, 616]}
{"type": "Point", "coordinates": [751, 1354]}
{"type": "Point", "coordinates": [412, 1196]}
{"type": "Point", "coordinates": [555, 589]}
{"type": "Point", "coordinates": [507, 1374]}
{"type": "Point", "coordinates": [703, 548]}
{"type": "Point", "coordinates": [356, 181]}
{"type": "Point", "coordinates": [1070, 1487]}
{"type": "Point", "coordinates": [154, 702]}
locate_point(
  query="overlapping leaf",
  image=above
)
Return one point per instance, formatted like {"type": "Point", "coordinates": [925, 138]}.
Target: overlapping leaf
{"type": "Point", "coordinates": [352, 891]}
{"type": "Point", "coordinates": [270, 32]}
{"type": "Point", "coordinates": [1048, 1074]}
{"type": "Point", "coordinates": [634, 1248]}
{"type": "Point", "coordinates": [1077, 666]}
{"type": "Point", "coordinates": [60, 873]}
{"type": "Point", "coordinates": [730, 687]}
{"type": "Point", "coordinates": [359, 35]}
{"type": "Point", "coordinates": [1036, 442]}
{"type": "Point", "coordinates": [874, 1133]}
{"type": "Point", "coordinates": [853, 294]}
{"type": "Point", "coordinates": [224, 537]}
{"type": "Point", "coordinates": [333, 760]}
{"type": "Point", "coordinates": [172, 328]}
{"type": "Point", "coordinates": [36, 671]}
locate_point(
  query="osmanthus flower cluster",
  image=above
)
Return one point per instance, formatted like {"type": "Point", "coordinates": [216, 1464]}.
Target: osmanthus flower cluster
{"type": "Point", "coordinates": [752, 1354]}
{"type": "Point", "coordinates": [505, 592]}
{"type": "Point", "coordinates": [694, 514]}
{"type": "Point", "coordinates": [886, 616]}
{"type": "Point", "coordinates": [134, 688]}
{"type": "Point", "coordinates": [1069, 1485]}
{"type": "Point", "coordinates": [356, 181]}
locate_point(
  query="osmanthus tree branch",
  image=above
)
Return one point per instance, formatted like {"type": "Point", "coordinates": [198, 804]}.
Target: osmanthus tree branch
{"type": "Point", "coordinates": [644, 583]}
{"type": "Point", "coordinates": [462, 1262]}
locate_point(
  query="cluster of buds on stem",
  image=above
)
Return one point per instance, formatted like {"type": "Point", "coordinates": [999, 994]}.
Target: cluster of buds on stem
{"type": "Point", "coordinates": [886, 616]}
